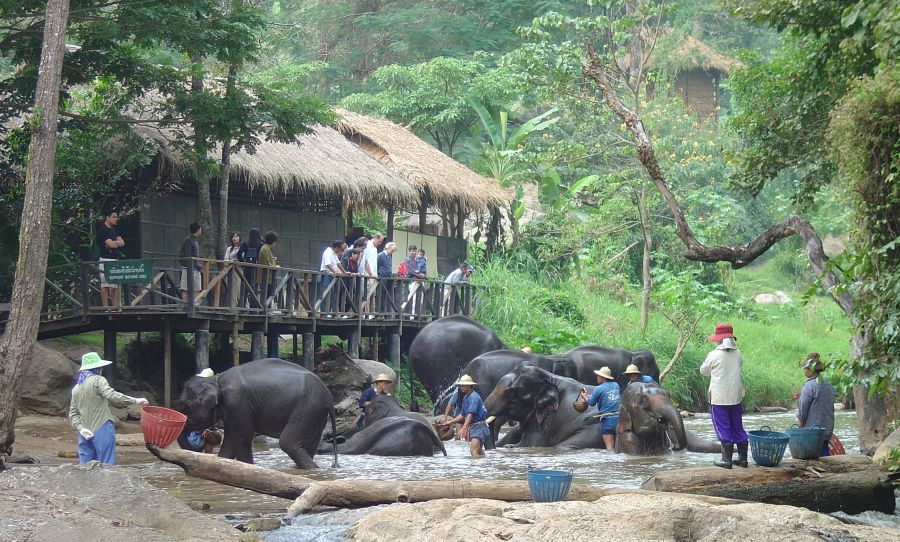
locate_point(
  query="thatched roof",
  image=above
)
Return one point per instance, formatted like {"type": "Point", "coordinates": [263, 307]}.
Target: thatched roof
{"type": "Point", "coordinates": [322, 162]}
{"type": "Point", "coordinates": [428, 170]}
{"type": "Point", "coordinates": [693, 53]}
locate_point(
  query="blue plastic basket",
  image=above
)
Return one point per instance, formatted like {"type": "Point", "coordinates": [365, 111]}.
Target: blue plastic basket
{"type": "Point", "coordinates": [767, 446]}
{"type": "Point", "coordinates": [549, 485]}
{"type": "Point", "coordinates": [806, 442]}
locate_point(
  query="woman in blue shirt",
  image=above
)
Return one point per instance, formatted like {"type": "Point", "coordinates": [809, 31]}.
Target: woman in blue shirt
{"type": "Point", "coordinates": [606, 397]}
{"type": "Point", "coordinates": [472, 414]}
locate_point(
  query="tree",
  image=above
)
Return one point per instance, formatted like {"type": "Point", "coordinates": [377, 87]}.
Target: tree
{"type": "Point", "coordinates": [34, 237]}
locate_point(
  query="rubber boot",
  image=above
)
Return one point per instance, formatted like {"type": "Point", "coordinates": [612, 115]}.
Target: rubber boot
{"type": "Point", "coordinates": [727, 452]}
{"type": "Point", "coordinates": [742, 454]}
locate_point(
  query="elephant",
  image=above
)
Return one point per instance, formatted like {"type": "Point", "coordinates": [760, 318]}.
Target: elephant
{"type": "Point", "coordinates": [591, 358]}
{"type": "Point", "coordinates": [384, 406]}
{"type": "Point", "coordinates": [269, 397]}
{"type": "Point", "coordinates": [541, 403]}
{"type": "Point", "coordinates": [392, 436]}
{"type": "Point", "coordinates": [650, 425]}
{"type": "Point", "coordinates": [488, 368]}
{"type": "Point", "coordinates": [445, 346]}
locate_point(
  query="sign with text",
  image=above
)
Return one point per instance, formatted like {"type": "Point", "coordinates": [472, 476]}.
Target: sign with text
{"type": "Point", "coordinates": [128, 272]}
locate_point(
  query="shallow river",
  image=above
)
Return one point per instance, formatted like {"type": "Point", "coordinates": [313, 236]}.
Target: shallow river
{"type": "Point", "coordinates": [589, 466]}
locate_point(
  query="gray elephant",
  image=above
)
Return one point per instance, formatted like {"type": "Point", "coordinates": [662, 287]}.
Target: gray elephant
{"type": "Point", "coordinates": [392, 436]}
{"type": "Point", "coordinates": [650, 425]}
{"type": "Point", "coordinates": [268, 397]}
{"type": "Point", "coordinates": [592, 357]}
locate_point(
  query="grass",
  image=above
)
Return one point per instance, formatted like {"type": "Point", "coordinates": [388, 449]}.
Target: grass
{"type": "Point", "coordinates": [552, 318]}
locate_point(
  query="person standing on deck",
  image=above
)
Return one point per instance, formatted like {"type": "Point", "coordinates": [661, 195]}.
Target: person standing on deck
{"type": "Point", "coordinates": [190, 248]}
{"type": "Point", "coordinates": [815, 406]}
{"type": "Point", "coordinates": [330, 267]}
{"type": "Point", "coordinates": [369, 268]}
{"type": "Point", "coordinates": [234, 282]}
{"type": "Point", "coordinates": [726, 393]}
{"type": "Point", "coordinates": [385, 273]}
{"type": "Point", "coordinates": [249, 253]}
{"type": "Point", "coordinates": [109, 242]}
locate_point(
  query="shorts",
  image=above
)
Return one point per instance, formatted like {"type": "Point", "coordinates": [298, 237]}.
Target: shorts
{"type": "Point", "coordinates": [481, 431]}
{"type": "Point", "coordinates": [184, 286]}
{"type": "Point", "coordinates": [371, 286]}
{"type": "Point", "coordinates": [103, 283]}
{"type": "Point", "coordinates": [608, 425]}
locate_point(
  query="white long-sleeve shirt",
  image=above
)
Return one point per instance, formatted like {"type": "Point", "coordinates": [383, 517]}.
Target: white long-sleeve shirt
{"type": "Point", "coordinates": [723, 367]}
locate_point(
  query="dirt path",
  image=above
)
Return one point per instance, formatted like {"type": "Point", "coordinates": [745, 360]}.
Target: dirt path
{"type": "Point", "coordinates": [52, 441]}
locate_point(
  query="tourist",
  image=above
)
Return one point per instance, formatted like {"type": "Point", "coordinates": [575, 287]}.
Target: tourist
{"type": "Point", "coordinates": [418, 272]}
{"type": "Point", "coordinates": [369, 269]}
{"type": "Point", "coordinates": [635, 375]}
{"type": "Point", "coordinates": [89, 411]}
{"type": "Point", "coordinates": [457, 277]}
{"type": "Point", "coordinates": [606, 397]}
{"type": "Point", "coordinates": [330, 266]}
{"type": "Point", "coordinates": [385, 273]}
{"type": "Point", "coordinates": [231, 255]}
{"type": "Point", "coordinates": [352, 267]}
{"type": "Point", "coordinates": [109, 242]}
{"type": "Point", "coordinates": [380, 386]}
{"type": "Point", "coordinates": [249, 253]}
{"type": "Point", "coordinates": [404, 271]}
{"type": "Point", "coordinates": [723, 366]}
{"type": "Point", "coordinates": [472, 414]}
{"type": "Point", "coordinates": [815, 406]}
{"type": "Point", "coordinates": [190, 249]}
{"type": "Point", "coordinates": [265, 277]}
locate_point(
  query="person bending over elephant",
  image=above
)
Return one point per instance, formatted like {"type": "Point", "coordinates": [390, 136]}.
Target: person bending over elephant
{"type": "Point", "coordinates": [268, 397]}
{"type": "Point", "coordinates": [606, 397]}
{"type": "Point", "coordinates": [473, 416]}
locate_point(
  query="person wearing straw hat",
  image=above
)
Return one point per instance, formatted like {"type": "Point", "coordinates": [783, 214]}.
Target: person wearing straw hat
{"type": "Point", "coordinates": [89, 411]}
{"type": "Point", "coordinates": [472, 414]}
{"type": "Point", "coordinates": [815, 406]}
{"type": "Point", "coordinates": [380, 386]}
{"type": "Point", "coordinates": [635, 375]}
{"type": "Point", "coordinates": [606, 397]}
{"type": "Point", "coordinates": [723, 367]}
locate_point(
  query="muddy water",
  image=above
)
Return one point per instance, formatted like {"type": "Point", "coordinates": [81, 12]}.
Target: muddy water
{"type": "Point", "coordinates": [588, 466]}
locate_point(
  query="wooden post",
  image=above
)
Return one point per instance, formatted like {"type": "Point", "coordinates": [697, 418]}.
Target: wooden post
{"type": "Point", "coordinates": [460, 220]}
{"type": "Point", "coordinates": [309, 351]}
{"type": "Point", "coordinates": [109, 353]}
{"type": "Point", "coordinates": [235, 347]}
{"type": "Point", "coordinates": [294, 337]}
{"type": "Point", "coordinates": [353, 345]}
{"type": "Point", "coordinates": [423, 215]}
{"type": "Point", "coordinates": [394, 349]}
{"type": "Point", "coordinates": [349, 217]}
{"type": "Point", "coordinates": [390, 222]}
{"type": "Point", "coordinates": [167, 362]}
{"type": "Point", "coordinates": [201, 346]}
{"type": "Point", "coordinates": [256, 348]}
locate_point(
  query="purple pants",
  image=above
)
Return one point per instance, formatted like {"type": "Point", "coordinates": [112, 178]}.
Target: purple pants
{"type": "Point", "coordinates": [726, 421]}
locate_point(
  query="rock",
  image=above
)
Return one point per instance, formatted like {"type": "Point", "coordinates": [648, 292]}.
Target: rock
{"type": "Point", "coordinates": [623, 517]}
{"type": "Point", "coordinates": [198, 506]}
{"type": "Point", "coordinates": [778, 298]}
{"type": "Point", "coordinates": [261, 524]}
{"type": "Point", "coordinates": [67, 454]}
{"type": "Point", "coordinates": [839, 406]}
{"type": "Point", "coordinates": [120, 414]}
{"type": "Point", "coordinates": [48, 382]}
{"type": "Point", "coordinates": [883, 452]}
{"type": "Point", "coordinates": [95, 502]}
{"type": "Point", "coordinates": [686, 414]}
{"type": "Point", "coordinates": [375, 368]}
{"type": "Point", "coordinates": [133, 412]}
{"type": "Point", "coordinates": [151, 399]}
{"type": "Point", "coordinates": [771, 409]}
{"type": "Point", "coordinates": [346, 381]}
{"type": "Point", "coordinates": [130, 439]}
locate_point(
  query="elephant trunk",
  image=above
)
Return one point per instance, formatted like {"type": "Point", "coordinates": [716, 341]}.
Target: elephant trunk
{"type": "Point", "coordinates": [673, 418]}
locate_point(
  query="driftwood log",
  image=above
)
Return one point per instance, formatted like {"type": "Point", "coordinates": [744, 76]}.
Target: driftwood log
{"type": "Point", "coordinates": [310, 493]}
{"type": "Point", "coordinates": [848, 483]}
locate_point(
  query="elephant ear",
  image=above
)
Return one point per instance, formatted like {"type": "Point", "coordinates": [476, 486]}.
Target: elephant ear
{"type": "Point", "coordinates": [546, 401]}
{"type": "Point", "coordinates": [625, 407]}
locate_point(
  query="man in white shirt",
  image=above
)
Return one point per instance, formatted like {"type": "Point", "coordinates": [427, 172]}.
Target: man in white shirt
{"type": "Point", "coordinates": [723, 366]}
{"type": "Point", "coordinates": [331, 265]}
{"type": "Point", "coordinates": [369, 268]}
{"type": "Point", "coordinates": [458, 277]}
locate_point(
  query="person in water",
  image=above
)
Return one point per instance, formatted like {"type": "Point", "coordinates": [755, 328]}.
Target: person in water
{"type": "Point", "coordinates": [815, 406]}
{"type": "Point", "coordinates": [473, 416]}
{"type": "Point", "coordinates": [380, 386]}
{"type": "Point", "coordinates": [723, 367]}
{"type": "Point", "coordinates": [635, 375]}
{"type": "Point", "coordinates": [606, 397]}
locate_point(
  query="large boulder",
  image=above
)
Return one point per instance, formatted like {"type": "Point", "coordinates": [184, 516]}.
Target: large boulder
{"type": "Point", "coordinates": [375, 368]}
{"type": "Point", "coordinates": [346, 381]}
{"type": "Point", "coordinates": [614, 517]}
{"type": "Point", "coordinates": [883, 452]}
{"type": "Point", "coordinates": [778, 298]}
{"type": "Point", "coordinates": [95, 502]}
{"type": "Point", "coordinates": [49, 378]}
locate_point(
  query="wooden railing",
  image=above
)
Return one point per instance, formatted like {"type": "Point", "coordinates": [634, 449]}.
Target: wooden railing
{"type": "Point", "coordinates": [226, 289]}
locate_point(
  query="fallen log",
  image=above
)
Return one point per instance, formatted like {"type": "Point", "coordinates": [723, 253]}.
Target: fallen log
{"type": "Point", "coordinates": [848, 483]}
{"type": "Point", "coordinates": [310, 493]}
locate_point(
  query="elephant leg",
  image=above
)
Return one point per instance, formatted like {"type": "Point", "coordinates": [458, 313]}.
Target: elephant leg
{"type": "Point", "coordinates": [512, 437]}
{"type": "Point", "coordinates": [586, 438]}
{"type": "Point", "coordinates": [237, 447]}
{"type": "Point", "coordinates": [296, 441]}
{"type": "Point", "coordinates": [628, 442]}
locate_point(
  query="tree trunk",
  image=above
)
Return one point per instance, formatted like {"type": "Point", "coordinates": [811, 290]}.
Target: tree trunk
{"type": "Point", "coordinates": [645, 259]}
{"type": "Point", "coordinates": [849, 483]}
{"type": "Point", "coordinates": [222, 239]}
{"type": "Point", "coordinates": [201, 172]}
{"type": "Point", "coordinates": [34, 232]}
{"type": "Point", "coordinates": [493, 233]}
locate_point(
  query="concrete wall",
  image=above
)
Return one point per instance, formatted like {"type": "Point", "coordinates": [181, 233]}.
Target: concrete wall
{"type": "Point", "coordinates": [302, 237]}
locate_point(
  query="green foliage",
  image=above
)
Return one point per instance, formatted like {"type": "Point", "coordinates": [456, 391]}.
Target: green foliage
{"type": "Point", "coordinates": [402, 391]}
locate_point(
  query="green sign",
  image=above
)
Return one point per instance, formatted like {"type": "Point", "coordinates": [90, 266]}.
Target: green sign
{"type": "Point", "coordinates": [128, 272]}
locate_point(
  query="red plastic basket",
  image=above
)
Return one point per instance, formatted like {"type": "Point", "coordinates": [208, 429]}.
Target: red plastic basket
{"type": "Point", "coordinates": [161, 426]}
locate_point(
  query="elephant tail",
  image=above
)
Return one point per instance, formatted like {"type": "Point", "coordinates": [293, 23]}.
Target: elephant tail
{"type": "Point", "coordinates": [334, 440]}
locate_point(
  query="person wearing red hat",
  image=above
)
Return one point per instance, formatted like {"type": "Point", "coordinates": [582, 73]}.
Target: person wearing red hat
{"type": "Point", "coordinates": [723, 367]}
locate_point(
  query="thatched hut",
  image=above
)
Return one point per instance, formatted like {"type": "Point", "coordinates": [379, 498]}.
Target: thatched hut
{"type": "Point", "coordinates": [700, 71]}
{"type": "Point", "coordinates": [297, 189]}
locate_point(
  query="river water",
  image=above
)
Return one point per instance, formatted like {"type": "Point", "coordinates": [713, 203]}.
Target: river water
{"type": "Point", "coordinates": [589, 466]}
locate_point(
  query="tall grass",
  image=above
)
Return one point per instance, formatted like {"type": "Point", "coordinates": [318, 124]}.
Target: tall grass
{"type": "Point", "coordinates": [553, 316]}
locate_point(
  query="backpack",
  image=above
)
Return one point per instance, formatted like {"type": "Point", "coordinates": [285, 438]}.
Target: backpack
{"type": "Point", "coordinates": [402, 272]}
{"type": "Point", "coordinates": [251, 255]}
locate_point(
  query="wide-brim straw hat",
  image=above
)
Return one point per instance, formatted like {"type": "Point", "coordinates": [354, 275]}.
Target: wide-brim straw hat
{"type": "Point", "coordinates": [632, 370]}
{"type": "Point", "coordinates": [813, 362]}
{"type": "Point", "coordinates": [92, 360]}
{"type": "Point", "coordinates": [605, 373]}
{"type": "Point", "coordinates": [723, 331]}
{"type": "Point", "coordinates": [383, 378]}
{"type": "Point", "coordinates": [466, 380]}
{"type": "Point", "coordinates": [206, 373]}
